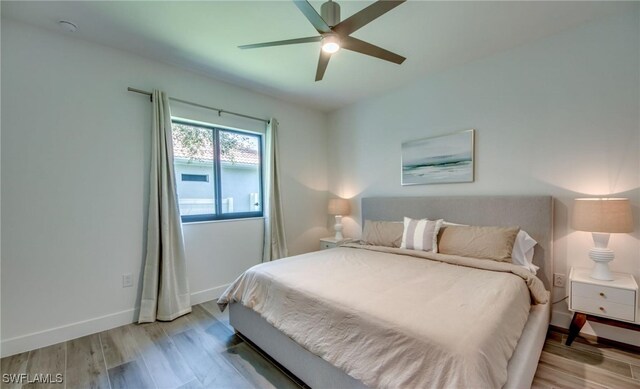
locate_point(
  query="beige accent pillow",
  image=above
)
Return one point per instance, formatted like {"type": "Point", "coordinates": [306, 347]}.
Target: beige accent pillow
{"type": "Point", "coordinates": [380, 233]}
{"type": "Point", "coordinates": [494, 243]}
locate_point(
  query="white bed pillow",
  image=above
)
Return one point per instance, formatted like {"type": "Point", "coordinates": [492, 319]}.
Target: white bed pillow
{"type": "Point", "coordinates": [421, 234]}
{"type": "Point", "coordinates": [523, 249]}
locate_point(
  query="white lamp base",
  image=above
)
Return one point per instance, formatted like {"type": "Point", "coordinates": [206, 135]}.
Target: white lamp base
{"type": "Point", "coordinates": [601, 255]}
{"type": "Point", "coordinates": [338, 228]}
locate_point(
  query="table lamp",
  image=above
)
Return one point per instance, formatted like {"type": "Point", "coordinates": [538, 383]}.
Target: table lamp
{"type": "Point", "coordinates": [339, 208]}
{"type": "Point", "coordinates": [601, 217]}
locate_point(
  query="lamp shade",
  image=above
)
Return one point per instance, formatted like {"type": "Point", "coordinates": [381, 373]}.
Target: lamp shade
{"type": "Point", "coordinates": [602, 215]}
{"type": "Point", "coordinates": [339, 207]}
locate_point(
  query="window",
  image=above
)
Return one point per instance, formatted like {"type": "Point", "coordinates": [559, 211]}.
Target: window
{"type": "Point", "coordinates": [235, 167]}
{"type": "Point", "coordinates": [195, 177]}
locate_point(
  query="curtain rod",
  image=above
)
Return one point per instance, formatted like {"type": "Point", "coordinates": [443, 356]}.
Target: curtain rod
{"type": "Point", "coordinates": [220, 111]}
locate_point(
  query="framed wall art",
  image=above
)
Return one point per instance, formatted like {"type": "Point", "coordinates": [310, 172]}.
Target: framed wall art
{"type": "Point", "coordinates": [439, 159]}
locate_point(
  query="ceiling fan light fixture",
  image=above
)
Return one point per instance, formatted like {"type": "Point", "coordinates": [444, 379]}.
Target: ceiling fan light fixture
{"type": "Point", "coordinates": [330, 44]}
{"type": "Point", "coordinates": [336, 34]}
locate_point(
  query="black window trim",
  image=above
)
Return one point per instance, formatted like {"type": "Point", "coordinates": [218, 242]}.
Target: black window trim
{"type": "Point", "coordinates": [217, 176]}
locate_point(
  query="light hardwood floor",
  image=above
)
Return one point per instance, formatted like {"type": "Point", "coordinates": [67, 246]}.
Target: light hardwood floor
{"type": "Point", "coordinates": [200, 350]}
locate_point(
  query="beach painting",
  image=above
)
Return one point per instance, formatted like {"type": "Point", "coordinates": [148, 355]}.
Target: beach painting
{"type": "Point", "coordinates": [438, 160]}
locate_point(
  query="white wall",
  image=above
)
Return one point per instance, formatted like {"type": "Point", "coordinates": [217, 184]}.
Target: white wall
{"type": "Point", "coordinates": [75, 150]}
{"type": "Point", "coordinates": [559, 116]}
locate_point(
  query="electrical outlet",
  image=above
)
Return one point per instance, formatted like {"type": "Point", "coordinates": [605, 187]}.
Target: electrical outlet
{"type": "Point", "coordinates": [127, 280]}
{"type": "Point", "coordinates": [559, 280]}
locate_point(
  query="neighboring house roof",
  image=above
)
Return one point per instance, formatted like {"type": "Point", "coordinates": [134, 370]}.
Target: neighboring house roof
{"type": "Point", "coordinates": [205, 154]}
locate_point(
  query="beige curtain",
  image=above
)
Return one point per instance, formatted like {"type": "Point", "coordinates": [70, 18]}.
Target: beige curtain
{"type": "Point", "coordinates": [165, 288]}
{"type": "Point", "coordinates": [275, 244]}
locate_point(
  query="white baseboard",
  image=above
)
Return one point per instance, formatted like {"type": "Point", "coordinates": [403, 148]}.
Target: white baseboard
{"type": "Point", "coordinates": [66, 332]}
{"type": "Point", "coordinates": [207, 294]}
{"type": "Point", "coordinates": [563, 320]}
{"type": "Point", "coordinates": [75, 330]}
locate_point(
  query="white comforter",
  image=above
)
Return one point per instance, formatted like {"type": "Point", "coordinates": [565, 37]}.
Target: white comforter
{"type": "Point", "coordinates": [394, 320]}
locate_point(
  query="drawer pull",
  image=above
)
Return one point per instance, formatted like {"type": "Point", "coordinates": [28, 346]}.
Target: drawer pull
{"type": "Point", "coordinates": [602, 309]}
{"type": "Point", "coordinates": [602, 294]}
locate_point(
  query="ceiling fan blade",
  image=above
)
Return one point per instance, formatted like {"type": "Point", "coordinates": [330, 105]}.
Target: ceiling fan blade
{"type": "Point", "coordinates": [323, 61]}
{"type": "Point", "coordinates": [362, 47]}
{"type": "Point", "coordinates": [281, 43]}
{"type": "Point", "coordinates": [364, 17]}
{"type": "Point", "coordinates": [312, 15]}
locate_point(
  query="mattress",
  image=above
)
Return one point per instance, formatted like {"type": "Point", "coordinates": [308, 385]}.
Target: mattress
{"type": "Point", "coordinates": [396, 318]}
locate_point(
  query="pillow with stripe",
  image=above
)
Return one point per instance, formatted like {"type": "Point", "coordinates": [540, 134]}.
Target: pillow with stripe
{"type": "Point", "coordinates": [421, 234]}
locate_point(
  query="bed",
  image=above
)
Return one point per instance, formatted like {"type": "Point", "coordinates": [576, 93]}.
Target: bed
{"type": "Point", "coordinates": [383, 326]}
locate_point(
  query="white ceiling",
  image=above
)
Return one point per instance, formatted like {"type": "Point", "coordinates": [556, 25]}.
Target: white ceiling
{"type": "Point", "coordinates": [204, 35]}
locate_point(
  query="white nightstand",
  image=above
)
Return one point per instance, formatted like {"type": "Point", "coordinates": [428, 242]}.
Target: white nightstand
{"type": "Point", "coordinates": [331, 242]}
{"type": "Point", "coordinates": [609, 302]}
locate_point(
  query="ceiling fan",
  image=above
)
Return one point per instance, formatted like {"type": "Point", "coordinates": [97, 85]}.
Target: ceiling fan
{"type": "Point", "coordinates": [335, 34]}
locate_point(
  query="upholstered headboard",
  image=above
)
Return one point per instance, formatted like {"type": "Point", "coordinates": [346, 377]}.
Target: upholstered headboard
{"type": "Point", "coordinates": [533, 214]}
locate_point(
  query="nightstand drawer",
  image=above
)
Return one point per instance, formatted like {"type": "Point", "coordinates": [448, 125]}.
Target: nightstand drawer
{"type": "Point", "coordinates": [604, 293]}
{"type": "Point", "coordinates": [603, 308]}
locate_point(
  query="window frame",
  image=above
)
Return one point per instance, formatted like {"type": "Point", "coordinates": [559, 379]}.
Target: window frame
{"type": "Point", "coordinates": [217, 174]}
